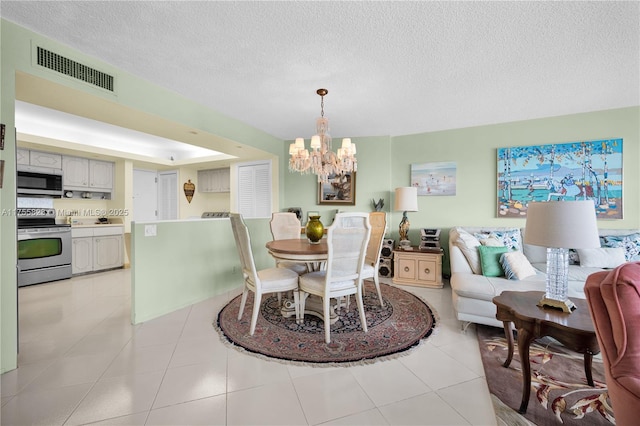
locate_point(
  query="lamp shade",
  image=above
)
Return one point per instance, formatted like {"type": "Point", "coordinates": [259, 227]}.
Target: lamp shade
{"type": "Point", "coordinates": [406, 199]}
{"type": "Point", "coordinates": [562, 224]}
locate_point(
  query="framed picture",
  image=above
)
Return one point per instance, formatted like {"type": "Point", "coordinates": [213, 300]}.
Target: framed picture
{"type": "Point", "coordinates": [341, 189]}
{"type": "Point", "coordinates": [1, 136]}
{"type": "Point", "coordinates": [581, 170]}
{"type": "Point", "coordinates": [434, 178]}
{"type": "Point", "coordinates": [1, 172]}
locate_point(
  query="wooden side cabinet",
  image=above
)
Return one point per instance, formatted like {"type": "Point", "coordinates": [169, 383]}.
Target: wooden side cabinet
{"type": "Point", "coordinates": [419, 268]}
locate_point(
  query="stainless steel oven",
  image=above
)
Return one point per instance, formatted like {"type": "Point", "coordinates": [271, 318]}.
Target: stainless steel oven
{"type": "Point", "coordinates": [44, 247]}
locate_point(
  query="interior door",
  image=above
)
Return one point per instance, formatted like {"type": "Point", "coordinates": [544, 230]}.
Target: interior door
{"type": "Point", "coordinates": [145, 195]}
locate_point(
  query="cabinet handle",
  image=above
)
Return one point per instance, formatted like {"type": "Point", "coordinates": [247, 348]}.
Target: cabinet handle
{"type": "Point", "coordinates": [426, 270]}
{"type": "Point", "coordinates": [406, 269]}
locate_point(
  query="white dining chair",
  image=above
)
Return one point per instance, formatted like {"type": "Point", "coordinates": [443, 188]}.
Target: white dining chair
{"type": "Point", "coordinates": [287, 226]}
{"type": "Point", "coordinates": [347, 240]}
{"type": "Point", "coordinates": [270, 280]}
{"type": "Point", "coordinates": [378, 221]}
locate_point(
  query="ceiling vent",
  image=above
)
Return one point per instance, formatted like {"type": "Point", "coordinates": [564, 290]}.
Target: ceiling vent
{"type": "Point", "coordinates": [66, 66]}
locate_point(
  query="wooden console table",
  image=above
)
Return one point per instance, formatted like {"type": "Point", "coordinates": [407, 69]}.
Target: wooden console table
{"type": "Point", "coordinates": [418, 267]}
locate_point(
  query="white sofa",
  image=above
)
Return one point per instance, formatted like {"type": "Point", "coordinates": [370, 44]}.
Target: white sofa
{"type": "Point", "coordinates": [473, 293]}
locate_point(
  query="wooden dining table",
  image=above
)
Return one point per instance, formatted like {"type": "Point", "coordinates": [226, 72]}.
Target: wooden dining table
{"type": "Point", "coordinates": [299, 250]}
{"type": "Point", "coordinates": [314, 256]}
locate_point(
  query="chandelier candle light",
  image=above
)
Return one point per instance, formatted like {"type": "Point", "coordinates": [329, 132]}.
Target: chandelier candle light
{"type": "Point", "coordinates": [321, 160]}
{"type": "Point", "coordinates": [558, 226]}
{"type": "Point", "coordinates": [406, 201]}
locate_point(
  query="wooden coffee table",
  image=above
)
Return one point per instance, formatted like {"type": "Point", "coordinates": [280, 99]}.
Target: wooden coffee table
{"type": "Point", "coordinates": [574, 330]}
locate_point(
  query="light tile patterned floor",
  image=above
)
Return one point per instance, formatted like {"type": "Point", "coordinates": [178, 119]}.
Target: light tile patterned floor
{"type": "Point", "coordinates": [82, 362]}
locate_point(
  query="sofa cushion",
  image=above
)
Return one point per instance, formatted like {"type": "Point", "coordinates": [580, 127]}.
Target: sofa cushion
{"type": "Point", "coordinates": [468, 245]}
{"type": "Point", "coordinates": [490, 260]}
{"type": "Point", "coordinates": [604, 257]}
{"type": "Point", "coordinates": [516, 266]}
{"type": "Point", "coordinates": [630, 243]}
{"type": "Point", "coordinates": [509, 238]}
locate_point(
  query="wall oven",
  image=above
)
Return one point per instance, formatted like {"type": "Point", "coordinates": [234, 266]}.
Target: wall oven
{"type": "Point", "coordinates": [44, 247]}
{"type": "Point", "coordinates": [38, 182]}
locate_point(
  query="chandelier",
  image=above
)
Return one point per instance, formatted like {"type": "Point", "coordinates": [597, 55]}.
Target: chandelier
{"type": "Point", "coordinates": [321, 160]}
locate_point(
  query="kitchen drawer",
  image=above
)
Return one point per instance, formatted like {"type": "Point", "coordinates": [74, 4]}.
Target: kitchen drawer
{"type": "Point", "coordinates": [81, 232]}
{"type": "Point", "coordinates": [100, 231]}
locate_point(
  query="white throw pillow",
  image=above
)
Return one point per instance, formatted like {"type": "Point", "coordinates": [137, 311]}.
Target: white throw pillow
{"type": "Point", "coordinates": [468, 245]}
{"type": "Point", "coordinates": [516, 265]}
{"type": "Point", "coordinates": [603, 257]}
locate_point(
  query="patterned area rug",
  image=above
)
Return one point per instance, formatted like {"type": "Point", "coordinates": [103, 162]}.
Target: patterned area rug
{"type": "Point", "coordinates": [559, 390]}
{"type": "Point", "coordinates": [393, 329]}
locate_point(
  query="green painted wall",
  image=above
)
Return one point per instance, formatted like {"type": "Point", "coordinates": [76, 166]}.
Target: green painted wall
{"type": "Point", "coordinates": [16, 56]}
{"type": "Point", "coordinates": [385, 163]}
{"type": "Point", "coordinates": [187, 262]}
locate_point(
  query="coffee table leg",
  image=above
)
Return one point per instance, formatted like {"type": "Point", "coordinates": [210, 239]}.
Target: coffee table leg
{"type": "Point", "coordinates": [524, 341]}
{"type": "Point", "coordinates": [588, 358]}
{"type": "Point", "coordinates": [509, 336]}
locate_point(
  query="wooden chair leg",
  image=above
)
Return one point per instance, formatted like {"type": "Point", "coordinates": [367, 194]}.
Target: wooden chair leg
{"type": "Point", "coordinates": [256, 310]}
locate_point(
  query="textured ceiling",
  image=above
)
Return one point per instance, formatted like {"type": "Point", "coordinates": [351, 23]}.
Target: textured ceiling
{"type": "Point", "coordinates": [391, 68]}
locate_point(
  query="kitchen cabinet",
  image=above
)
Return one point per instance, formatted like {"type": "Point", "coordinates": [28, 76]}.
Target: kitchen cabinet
{"type": "Point", "coordinates": [22, 156]}
{"type": "Point", "coordinates": [75, 172]}
{"type": "Point", "coordinates": [96, 248]}
{"type": "Point", "coordinates": [214, 180]}
{"type": "Point", "coordinates": [81, 255]}
{"type": "Point", "coordinates": [38, 158]}
{"type": "Point", "coordinates": [86, 174]}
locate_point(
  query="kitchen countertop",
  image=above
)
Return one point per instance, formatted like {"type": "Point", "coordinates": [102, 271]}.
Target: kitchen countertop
{"type": "Point", "coordinates": [94, 225]}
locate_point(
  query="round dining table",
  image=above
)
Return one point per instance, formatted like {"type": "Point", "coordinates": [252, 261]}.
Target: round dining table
{"type": "Point", "coordinates": [299, 250]}
{"type": "Point", "coordinates": [314, 256]}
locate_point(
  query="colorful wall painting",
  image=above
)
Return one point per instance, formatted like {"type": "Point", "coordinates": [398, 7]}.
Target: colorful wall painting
{"type": "Point", "coordinates": [588, 170]}
{"type": "Point", "coordinates": [434, 178]}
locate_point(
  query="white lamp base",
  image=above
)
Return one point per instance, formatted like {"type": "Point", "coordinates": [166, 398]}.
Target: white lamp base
{"type": "Point", "coordinates": [566, 305]}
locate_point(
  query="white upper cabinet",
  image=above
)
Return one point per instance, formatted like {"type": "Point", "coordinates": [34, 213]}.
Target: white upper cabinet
{"type": "Point", "coordinates": [100, 174]}
{"type": "Point", "coordinates": [75, 172]}
{"type": "Point", "coordinates": [38, 158]}
{"type": "Point", "coordinates": [83, 173]}
{"type": "Point", "coordinates": [45, 159]}
{"type": "Point", "coordinates": [214, 180]}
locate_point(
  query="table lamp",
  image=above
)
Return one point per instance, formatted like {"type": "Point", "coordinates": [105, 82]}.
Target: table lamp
{"type": "Point", "coordinates": [558, 226]}
{"type": "Point", "coordinates": [406, 201]}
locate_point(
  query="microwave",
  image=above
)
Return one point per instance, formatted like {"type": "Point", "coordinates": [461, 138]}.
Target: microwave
{"type": "Point", "coordinates": [32, 181]}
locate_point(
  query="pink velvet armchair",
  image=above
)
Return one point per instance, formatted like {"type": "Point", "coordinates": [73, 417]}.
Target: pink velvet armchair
{"type": "Point", "coordinates": [614, 302]}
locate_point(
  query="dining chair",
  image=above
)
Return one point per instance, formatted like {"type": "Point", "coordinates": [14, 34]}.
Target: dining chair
{"type": "Point", "coordinates": [287, 226]}
{"type": "Point", "coordinates": [347, 240]}
{"type": "Point", "coordinates": [378, 222]}
{"type": "Point", "coordinates": [264, 281]}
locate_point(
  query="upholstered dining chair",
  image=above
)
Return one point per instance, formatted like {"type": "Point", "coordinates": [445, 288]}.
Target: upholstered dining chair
{"type": "Point", "coordinates": [287, 226]}
{"type": "Point", "coordinates": [378, 222]}
{"type": "Point", "coordinates": [347, 240]}
{"type": "Point", "coordinates": [270, 280]}
{"type": "Point", "coordinates": [614, 302]}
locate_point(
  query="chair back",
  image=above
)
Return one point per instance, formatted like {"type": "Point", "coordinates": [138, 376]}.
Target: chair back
{"type": "Point", "coordinates": [285, 226]}
{"type": "Point", "coordinates": [378, 221]}
{"type": "Point", "coordinates": [243, 244]}
{"type": "Point", "coordinates": [347, 240]}
{"type": "Point", "coordinates": [614, 303]}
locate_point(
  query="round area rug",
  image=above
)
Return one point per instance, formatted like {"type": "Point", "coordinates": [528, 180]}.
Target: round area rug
{"type": "Point", "coordinates": [393, 329]}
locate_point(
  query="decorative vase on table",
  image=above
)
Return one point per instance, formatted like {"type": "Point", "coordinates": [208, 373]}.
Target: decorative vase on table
{"type": "Point", "coordinates": [315, 229]}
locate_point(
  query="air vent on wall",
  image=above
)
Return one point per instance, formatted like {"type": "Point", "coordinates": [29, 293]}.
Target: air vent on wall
{"type": "Point", "coordinates": [69, 67]}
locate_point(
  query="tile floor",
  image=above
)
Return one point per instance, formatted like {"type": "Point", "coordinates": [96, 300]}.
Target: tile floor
{"type": "Point", "coordinates": [82, 362]}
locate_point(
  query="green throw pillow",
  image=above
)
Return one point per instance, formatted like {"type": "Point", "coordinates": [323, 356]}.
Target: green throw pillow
{"type": "Point", "coordinates": [490, 260]}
